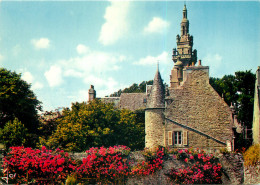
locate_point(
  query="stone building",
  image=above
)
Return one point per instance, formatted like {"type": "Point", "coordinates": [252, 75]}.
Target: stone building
{"type": "Point", "coordinates": [256, 118]}
{"type": "Point", "coordinates": [188, 113]}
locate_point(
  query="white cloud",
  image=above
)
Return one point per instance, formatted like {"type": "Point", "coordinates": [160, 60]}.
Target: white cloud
{"type": "Point", "coordinates": [42, 43]}
{"type": "Point", "coordinates": [90, 67]}
{"type": "Point", "coordinates": [37, 85]}
{"type": "Point", "coordinates": [116, 25]}
{"type": "Point", "coordinates": [27, 76]}
{"type": "Point", "coordinates": [157, 25]}
{"type": "Point", "coordinates": [163, 58]}
{"type": "Point", "coordinates": [93, 62]}
{"type": "Point", "coordinates": [82, 49]}
{"type": "Point", "coordinates": [214, 61]}
{"type": "Point", "coordinates": [82, 96]}
{"type": "Point", "coordinates": [104, 86]}
{"type": "Point", "coordinates": [54, 76]}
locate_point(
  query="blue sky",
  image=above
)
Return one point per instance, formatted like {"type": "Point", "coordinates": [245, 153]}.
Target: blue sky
{"type": "Point", "coordinates": [62, 47]}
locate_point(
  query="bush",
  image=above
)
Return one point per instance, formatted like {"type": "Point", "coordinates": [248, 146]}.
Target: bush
{"type": "Point", "coordinates": [199, 168]}
{"type": "Point", "coordinates": [153, 162]}
{"type": "Point", "coordinates": [40, 166]}
{"type": "Point", "coordinates": [252, 155]}
{"type": "Point", "coordinates": [14, 134]}
{"type": "Point", "coordinates": [105, 164]}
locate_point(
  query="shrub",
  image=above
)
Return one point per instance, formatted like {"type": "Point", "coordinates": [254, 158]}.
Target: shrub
{"type": "Point", "coordinates": [154, 160]}
{"type": "Point", "coordinates": [252, 155]}
{"type": "Point", "coordinates": [38, 165]}
{"type": "Point", "coordinates": [199, 168]}
{"type": "Point", "coordinates": [105, 164]}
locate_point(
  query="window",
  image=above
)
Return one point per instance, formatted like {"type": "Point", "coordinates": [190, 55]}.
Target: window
{"type": "Point", "coordinates": [178, 138]}
{"type": "Point", "coordinates": [177, 135]}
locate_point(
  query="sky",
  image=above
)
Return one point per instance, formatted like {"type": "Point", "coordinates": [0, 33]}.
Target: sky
{"type": "Point", "coordinates": [63, 47]}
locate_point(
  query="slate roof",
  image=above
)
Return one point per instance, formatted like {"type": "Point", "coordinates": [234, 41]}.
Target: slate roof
{"type": "Point", "coordinates": [157, 97]}
{"type": "Point", "coordinates": [133, 101]}
{"type": "Point", "coordinates": [114, 100]}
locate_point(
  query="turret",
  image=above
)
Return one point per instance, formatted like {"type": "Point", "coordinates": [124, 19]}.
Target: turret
{"type": "Point", "coordinates": [157, 95]}
{"type": "Point", "coordinates": [154, 114]}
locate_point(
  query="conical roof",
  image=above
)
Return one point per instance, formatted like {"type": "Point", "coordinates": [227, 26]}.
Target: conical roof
{"type": "Point", "coordinates": [157, 95]}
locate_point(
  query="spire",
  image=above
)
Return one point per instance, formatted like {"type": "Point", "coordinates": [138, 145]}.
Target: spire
{"type": "Point", "coordinates": [184, 12]}
{"type": "Point", "coordinates": [184, 22]}
{"type": "Point", "coordinates": [157, 95]}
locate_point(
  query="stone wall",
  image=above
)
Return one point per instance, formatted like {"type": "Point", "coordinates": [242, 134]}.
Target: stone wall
{"type": "Point", "coordinates": [233, 171]}
{"type": "Point", "coordinates": [154, 128]}
{"type": "Point", "coordinates": [252, 175]}
{"type": "Point", "coordinates": [256, 118]}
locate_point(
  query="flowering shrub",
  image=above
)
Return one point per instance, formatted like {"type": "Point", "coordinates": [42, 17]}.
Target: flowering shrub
{"type": "Point", "coordinates": [199, 168]}
{"type": "Point", "coordinates": [38, 165]}
{"type": "Point", "coordinates": [105, 164]}
{"type": "Point", "coordinates": [153, 162]}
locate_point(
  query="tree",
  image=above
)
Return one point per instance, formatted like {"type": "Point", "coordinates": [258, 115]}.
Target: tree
{"type": "Point", "coordinates": [93, 125]}
{"type": "Point", "coordinates": [134, 88]}
{"type": "Point", "coordinates": [17, 100]}
{"type": "Point", "coordinates": [14, 134]}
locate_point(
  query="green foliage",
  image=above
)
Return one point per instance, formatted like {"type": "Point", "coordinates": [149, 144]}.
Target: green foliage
{"type": "Point", "coordinates": [71, 180]}
{"type": "Point", "coordinates": [135, 88]}
{"type": "Point", "coordinates": [93, 125]}
{"type": "Point", "coordinates": [17, 101]}
{"type": "Point", "coordinates": [14, 134]}
{"type": "Point", "coordinates": [252, 155]}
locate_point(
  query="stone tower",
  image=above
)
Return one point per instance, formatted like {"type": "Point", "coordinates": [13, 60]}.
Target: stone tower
{"type": "Point", "coordinates": [184, 55]}
{"type": "Point", "coordinates": [91, 93]}
{"type": "Point", "coordinates": [154, 114]}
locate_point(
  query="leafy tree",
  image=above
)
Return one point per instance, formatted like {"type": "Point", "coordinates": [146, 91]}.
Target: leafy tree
{"type": "Point", "coordinates": [135, 88]}
{"type": "Point", "coordinates": [93, 125]}
{"type": "Point", "coordinates": [48, 123]}
{"type": "Point", "coordinates": [17, 100]}
{"type": "Point", "coordinates": [14, 134]}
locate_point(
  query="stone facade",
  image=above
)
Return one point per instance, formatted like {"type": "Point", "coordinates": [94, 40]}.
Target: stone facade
{"type": "Point", "coordinates": [256, 118]}
{"type": "Point", "coordinates": [198, 109]}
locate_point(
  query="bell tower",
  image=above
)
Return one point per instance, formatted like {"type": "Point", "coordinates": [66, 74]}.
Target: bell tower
{"type": "Point", "coordinates": [184, 55]}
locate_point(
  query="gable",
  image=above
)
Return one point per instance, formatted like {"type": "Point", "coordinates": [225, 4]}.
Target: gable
{"type": "Point", "coordinates": [197, 105]}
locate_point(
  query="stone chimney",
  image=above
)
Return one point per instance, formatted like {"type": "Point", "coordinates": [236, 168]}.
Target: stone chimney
{"type": "Point", "coordinates": [91, 93]}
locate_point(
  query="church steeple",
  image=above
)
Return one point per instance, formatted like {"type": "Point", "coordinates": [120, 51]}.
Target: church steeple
{"type": "Point", "coordinates": [184, 22]}
{"type": "Point", "coordinates": [184, 55]}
